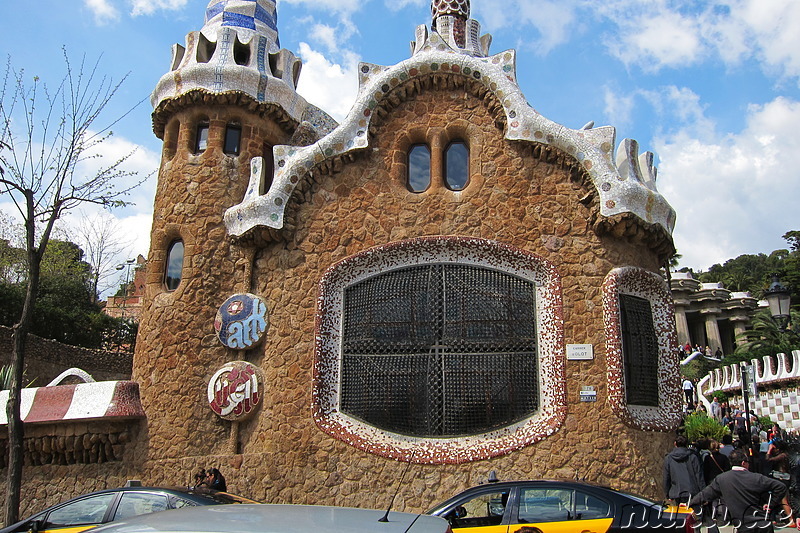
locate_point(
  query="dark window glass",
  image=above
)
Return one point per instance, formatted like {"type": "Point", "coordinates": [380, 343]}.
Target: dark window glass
{"type": "Point", "coordinates": [440, 350]}
{"type": "Point", "coordinates": [136, 503]}
{"type": "Point", "coordinates": [550, 504]}
{"type": "Point", "coordinates": [174, 265]}
{"type": "Point", "coordinates": [640, 350]}
{"type": "Point", "coordinates": [480, 510]}
{"type": "Point", "coordinates": [233, 137]}
{"type": "Point", "coordinates": [201, 142]}
{"type": "Point", "coordinates": [89, 510]}
{"type": "Point", "coordinates": [456, 165]}
{"type": "Point", "coordinates": [419, 168]}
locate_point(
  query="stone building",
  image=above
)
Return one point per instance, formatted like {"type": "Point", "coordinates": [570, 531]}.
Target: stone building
{"type": "Point", "coordinates": [129, 305]}
{"type": "Point", "coordinates": [708, 314]}
{"type": "Point", "coordinates": [446, 281]}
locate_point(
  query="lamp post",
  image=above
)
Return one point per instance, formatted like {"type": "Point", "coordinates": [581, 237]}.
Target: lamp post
{"type": "Point", "coordinates": [127, 266]}
{"type": "Point", "coordinates": [779, 298]}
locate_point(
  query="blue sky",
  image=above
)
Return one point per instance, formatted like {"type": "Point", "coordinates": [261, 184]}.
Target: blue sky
{"type": "Point", "coordinates": [713, 88]}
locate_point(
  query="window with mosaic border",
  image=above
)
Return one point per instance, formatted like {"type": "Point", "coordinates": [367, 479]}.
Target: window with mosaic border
{"type": "Point", "coordinates": [473, 258]}
{"type": "Point", "coordinates": [642, 374]}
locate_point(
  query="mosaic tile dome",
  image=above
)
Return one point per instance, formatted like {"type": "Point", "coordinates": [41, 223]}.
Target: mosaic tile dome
{"type": "Point", "coordinates": [458, 8]}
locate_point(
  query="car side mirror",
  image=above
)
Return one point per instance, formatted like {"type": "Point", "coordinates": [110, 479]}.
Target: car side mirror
{"type": "Point", "coordinates": [35, 526]}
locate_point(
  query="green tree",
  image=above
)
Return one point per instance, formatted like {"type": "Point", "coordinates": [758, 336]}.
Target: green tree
{"type": "Point", "coordinates": [47, 136]}
{"type": "Point", "coordinates": [765, 338]}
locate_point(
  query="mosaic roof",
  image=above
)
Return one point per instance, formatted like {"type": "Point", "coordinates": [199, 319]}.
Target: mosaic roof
{"type": "Point", "coordinates": [238, 50]}
{"type": "Point", "coordinates": [624, 179]}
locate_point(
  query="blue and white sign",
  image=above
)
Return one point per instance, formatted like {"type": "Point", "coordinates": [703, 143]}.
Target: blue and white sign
{"type": "Point", "coordinates": [241, 322]}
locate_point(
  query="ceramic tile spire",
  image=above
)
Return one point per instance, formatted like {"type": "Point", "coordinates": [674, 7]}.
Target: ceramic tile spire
{"type": "Point", "coordinates": [450, 20]}
{"type": "Point", "coordinates": [256, 16]}
{"type": "Point", "coordinates": [459, 11]}
{"type": "Point", "coordinates": [236, 51]}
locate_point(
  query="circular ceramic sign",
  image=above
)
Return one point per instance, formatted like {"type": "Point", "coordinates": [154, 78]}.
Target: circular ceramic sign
{"type": "Point", "coordinates": [235, 390]}
{"type": "Point", "coordinates": [241, 321]}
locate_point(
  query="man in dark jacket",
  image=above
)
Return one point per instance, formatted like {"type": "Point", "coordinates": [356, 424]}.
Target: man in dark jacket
{"type": "Point", "coordinates": [747, 496]}
{"type": "Point", "coordinates": [683, 474]}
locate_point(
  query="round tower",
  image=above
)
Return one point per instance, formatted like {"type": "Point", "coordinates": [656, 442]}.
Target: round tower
{"type": "Point", "coordinates": [227, 99]}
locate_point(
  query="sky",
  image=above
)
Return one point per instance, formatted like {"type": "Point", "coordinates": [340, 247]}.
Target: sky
{"type": "Point", "coordinates": [711, 87]}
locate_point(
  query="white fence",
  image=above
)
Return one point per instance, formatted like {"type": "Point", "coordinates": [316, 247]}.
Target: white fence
{"type": "Point", "coordinates": [777, 380]}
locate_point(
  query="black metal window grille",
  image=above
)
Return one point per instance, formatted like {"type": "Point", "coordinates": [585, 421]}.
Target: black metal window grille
{"type": "Point", "coordinates": [440, 350]}
{"type": "Point", "coordinates": [640, 350]}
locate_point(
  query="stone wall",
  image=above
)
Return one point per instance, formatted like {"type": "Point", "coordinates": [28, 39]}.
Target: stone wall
{"type": "Point", "coordinates": [45, 359]}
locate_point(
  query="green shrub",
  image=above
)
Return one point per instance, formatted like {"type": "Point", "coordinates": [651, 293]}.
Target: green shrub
{"type": "Point", "coordinates": [698, 425]}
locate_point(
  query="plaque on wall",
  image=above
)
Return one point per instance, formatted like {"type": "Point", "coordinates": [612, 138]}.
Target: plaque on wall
{"type": "Point", "coordinates": [241, 322]}
{"type": "Point", "coordinates": [235, 390]}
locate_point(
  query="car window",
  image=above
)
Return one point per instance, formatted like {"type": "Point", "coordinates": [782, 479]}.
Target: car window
{"type": "Point", "coordinates": [136, 503]}
{"type": "Point", "coordinates": [89, 510]}
{"type": "Point", "coordinates": [177, 503]}
{"type": "Point", "coordinates": [555, 505]}
{"type": "Point", "coordinates": [484, 509]}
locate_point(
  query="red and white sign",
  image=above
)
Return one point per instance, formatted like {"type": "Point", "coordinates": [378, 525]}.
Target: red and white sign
{"type": "Point", "coordinates": [235, 390]}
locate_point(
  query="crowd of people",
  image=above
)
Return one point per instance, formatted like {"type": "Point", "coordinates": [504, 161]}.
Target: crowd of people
{"type": "Point", "coordinates": [745, 480]}
{"type": "Point", "coordinates": [211, 479]}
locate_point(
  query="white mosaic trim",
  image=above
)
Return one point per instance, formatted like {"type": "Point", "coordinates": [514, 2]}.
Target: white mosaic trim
{"type": "Point", "coordinates": [652, 287]}
{"type": "Point", "coordinates": [479, 252]}
{"type": "Point", "coordinates": [625, 182]}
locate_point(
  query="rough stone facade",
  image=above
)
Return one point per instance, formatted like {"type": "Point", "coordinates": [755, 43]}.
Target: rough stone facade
{"type": "Point", "coordinates": [530, 199]}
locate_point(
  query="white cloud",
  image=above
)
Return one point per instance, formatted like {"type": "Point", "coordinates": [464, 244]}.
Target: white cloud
{"type": "Point", "coordinates": [328, 85]}
{"type": "Point", "coordinates": [148, 7]}
{"type": "Point", "coordinates": [102, 10]}
{"type": "Point", "coordinates": [397, 5]}
{"type": "Point", "coordinates": [554, 21]}
{"type": "Point", "coordinates": [737, 193]}
{"type": "Point", "coordinates": [345, 7]}
{"type": "Point", "coordinates": [659, 39]}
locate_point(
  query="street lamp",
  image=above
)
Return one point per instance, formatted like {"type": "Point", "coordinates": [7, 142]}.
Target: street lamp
{"type": "Point", "coordinates": [779, 298]}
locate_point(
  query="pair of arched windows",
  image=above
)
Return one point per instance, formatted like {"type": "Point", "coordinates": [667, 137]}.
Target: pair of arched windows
{"type": "Point", "coordinates": [232, 141]}
{"type": "Point", "coordinates": [455, 166]}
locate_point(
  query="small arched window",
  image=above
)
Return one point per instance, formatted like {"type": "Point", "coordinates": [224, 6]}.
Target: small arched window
{"type": "Point", "coordinates": [174, 270]}
{"type": "Point", "coordinates": [419, 167]}
{"type": "Point", "coordinates": [233, 139]}
{"type": "Point", "coordinates": [456, 165]}
{"type": "Point", "coordinates": [201, 138]}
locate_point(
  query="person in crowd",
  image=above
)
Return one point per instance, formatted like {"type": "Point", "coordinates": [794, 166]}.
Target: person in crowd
{"type": "Point", "coordinates": [688, 391]}
{"type": "Point", "coordinates": [716, 409]}
{"type": "Point", "coordinates": [215, 480]}
{"type": "Point", "coordinates": [200, 478]}
{"type": "Point", "coordinates": [727, 445]}
{"type": "Point", "coordinates": [708, 351]}
{"type": "Point", "coordinates": [778, 459]}
{"type": "Point", "coordinates": [744, 494]}
{"type": "Point", "coordinates": [718, 354]}
{"type": "Point", "coordinates": [683, 472]}
{"type": "Point", "coordinates": [715, 462]}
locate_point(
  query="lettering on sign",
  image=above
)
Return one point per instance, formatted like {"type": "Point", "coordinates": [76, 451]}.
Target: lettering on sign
{"type": "Point", "coordinates": [241, 322]}
{"type": "Point", "coordinates": [235, 390]}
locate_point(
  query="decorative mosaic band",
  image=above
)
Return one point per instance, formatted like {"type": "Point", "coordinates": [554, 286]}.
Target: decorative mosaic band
{"type": "Point", "coordinates": [85, 401]}
{"type": "Point", "coordinates": [462, 250]}
{"type": "Point", "coordinates": [652, 287]}
{"type": "Point", "coordinates": [624, 182]}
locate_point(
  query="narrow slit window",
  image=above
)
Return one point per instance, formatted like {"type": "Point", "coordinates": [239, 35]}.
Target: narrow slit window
{"type": "Point", "coordinates": [233, 138]}
{"type": "Point", "coordinates": [419, 167]}
{"type": "Point", "coordinates": [201, 139]}
{"type": "Point", "coordinates": [456, 165]}
{"type": "Point", "coordinates": [172, 277]}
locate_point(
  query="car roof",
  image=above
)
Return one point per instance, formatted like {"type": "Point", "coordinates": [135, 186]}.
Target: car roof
{"type": "Point", "coordinates": [276, 518]}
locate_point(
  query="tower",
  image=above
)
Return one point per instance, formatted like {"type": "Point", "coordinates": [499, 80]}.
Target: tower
{"type": "Point", "coordinates": [227, 99]}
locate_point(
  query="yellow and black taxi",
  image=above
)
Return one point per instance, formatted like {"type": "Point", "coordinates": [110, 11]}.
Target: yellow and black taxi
{"type": "Point", "coordinates": [558, 507]}
{"type": "Point", "coordinates": [90, 510]}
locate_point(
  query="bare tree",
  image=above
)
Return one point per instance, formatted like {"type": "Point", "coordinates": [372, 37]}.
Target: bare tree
{"type": "Point", "coordinates": [101, 238]}
{"type": "Point", "coordinates": [47, 135]}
